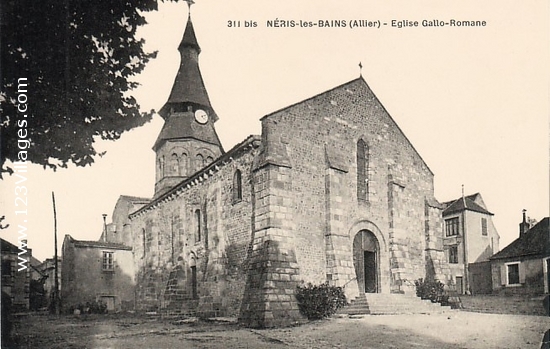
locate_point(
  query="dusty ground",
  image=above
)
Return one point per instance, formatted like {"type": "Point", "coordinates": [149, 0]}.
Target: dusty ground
{"type": "Point", "coordinates": [456, 329]}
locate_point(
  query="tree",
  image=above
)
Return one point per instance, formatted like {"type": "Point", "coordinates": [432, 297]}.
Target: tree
{"type": "Point", "coordinates": [68, 66]}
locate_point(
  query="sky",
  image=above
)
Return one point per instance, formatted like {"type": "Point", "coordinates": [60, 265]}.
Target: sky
{"type": "Point", "coordinates": [474, 102]}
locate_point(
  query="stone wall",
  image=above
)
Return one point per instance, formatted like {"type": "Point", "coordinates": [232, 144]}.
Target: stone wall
{"type": "Point", "coordinates": [301, 209]}
{"type": "Point", "coordinates": [531, 274]}
{"type": "Point", "coordinates": [317, 139]}
{"type": "Point", "coordinates": [182, 270]}
{"type": "Point", "coordinates": [15, 283]}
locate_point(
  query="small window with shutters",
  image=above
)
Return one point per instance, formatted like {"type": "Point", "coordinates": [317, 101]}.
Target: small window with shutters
{"type": "Point", "coordinates": [513, 274]}
{"type": "Point", "coordinates": [108, 261]}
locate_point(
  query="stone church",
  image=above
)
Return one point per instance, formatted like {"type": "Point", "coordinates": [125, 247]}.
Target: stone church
{"type": "Point", "coordinates": [331, 191]}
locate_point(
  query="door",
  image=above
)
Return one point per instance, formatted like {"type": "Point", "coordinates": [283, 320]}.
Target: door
{"type": "Point", "coordinates": [110, 302]}
{"type": "Point", "coordinates": [365, 261]}
{"type": "Point", "coordinates": [459, 286]}
{"type": "Point", "coordinates": [370, 272]}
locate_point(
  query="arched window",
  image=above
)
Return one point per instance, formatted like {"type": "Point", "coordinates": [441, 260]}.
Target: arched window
{"type": "Point", "coordinates": [183, 164]}
{"type": "Point", "coordinates": [198, 226]}
{"type": "Point", "coordinates": [362, 171]}
{"type": "Point", "coordinates": [237, 187]}
{"type": "Point", "coordinates": [209, 160]}
{"type": "Point", "coordinates": [144, 237]}
{"type": "Point", "coordinates": [199, 162]}
{"type": "Point", "coordinates": [161, 166]}
{"type": "Point", "coordinates": [175, 165]}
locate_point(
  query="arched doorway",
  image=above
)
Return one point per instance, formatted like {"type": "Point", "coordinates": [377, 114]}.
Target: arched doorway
{"type": "Point", "coordinates": [366, 261]}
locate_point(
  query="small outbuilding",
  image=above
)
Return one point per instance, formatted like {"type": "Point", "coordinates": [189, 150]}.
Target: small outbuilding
{"type": "Point", "coordinates": [523, 266]}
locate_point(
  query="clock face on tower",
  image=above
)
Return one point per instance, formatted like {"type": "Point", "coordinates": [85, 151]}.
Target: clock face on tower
{"type": "Point", "coordinates": [201, 116]}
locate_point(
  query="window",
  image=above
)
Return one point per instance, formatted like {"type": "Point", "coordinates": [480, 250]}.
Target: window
{"type": "Point", "coordinates": [362, 171]}
{"type": "Point", "coordinates": [175, 165]}
{"type": "Point", "coordinates": [148, 235]}
{"type": "Point", "coordinates": [108, 261]}
{"type": "Point", "coordinates": [451, 227]}
{"type": "Point", "coordinates": [144, 238]}
{"type": "Point", "coordinates": [199, 162]}
{"type": "Point", "coordinates": [161, 166]}
{"type": "Point", "coordinates": [513, 273]}
{"type": "Point", "coordinates": [484, 226]}
{"type": "Point", "coordinates": [453, 254]}
{"type": "Point", "coordinates": [197, 225]}
{"type": "Point", "coordinates": [237, 187]}
{"type": "Point", "coordinates": [183, 165]}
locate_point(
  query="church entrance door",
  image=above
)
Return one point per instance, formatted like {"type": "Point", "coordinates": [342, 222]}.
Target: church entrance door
{"type": "Point", "coordinates": [370, 272]}
{"type": "Point", "coordinates": [366, 261]}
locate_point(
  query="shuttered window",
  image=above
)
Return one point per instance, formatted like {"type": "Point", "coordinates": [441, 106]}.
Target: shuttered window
{"type": "Point", "coordinates": [108, 261]}
{"type": "Point", "coordinates": [484, 226]}
{"type": "Point", "coordinates": [512, 273]}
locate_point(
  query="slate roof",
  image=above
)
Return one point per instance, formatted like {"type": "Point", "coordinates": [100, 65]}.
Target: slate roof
{"type": "Point", "coordinates": [188, 85]}
{"type": "Point", "coordinates": [7, 246]}
{"type": "Point", "coordinates": [135, 199]}
{"type": "Point", "coordinates": [534, 242]}
{"type": "Point", "coordinates": [182, 125]}
{"type": "Point", "coordinates": [460, 205]}
{"type": "Point", "coordinates": [471, 197]}
{"type": "Point", "coordinates": [99, 244]}
{"type": "Point", "coordinates": [189, 37]}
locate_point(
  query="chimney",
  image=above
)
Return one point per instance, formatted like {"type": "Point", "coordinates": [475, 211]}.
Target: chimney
{"type": "Point", "coordinates": [524, 226]}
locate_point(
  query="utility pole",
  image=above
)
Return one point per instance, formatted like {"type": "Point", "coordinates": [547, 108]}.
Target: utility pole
{"type": "Point", "coordinates": [56, 267]}
{"type": "Point", "coordinates": [466, 282]}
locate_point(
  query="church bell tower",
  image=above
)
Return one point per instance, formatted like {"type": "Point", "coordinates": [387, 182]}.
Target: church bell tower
{"type": "Point", "coordinates": [188, 140]}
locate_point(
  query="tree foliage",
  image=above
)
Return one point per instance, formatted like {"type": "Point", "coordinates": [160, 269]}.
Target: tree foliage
{"type": "Point", "coordinates": [78, 58]}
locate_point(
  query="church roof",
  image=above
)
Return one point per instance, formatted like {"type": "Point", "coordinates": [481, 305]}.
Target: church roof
{"type": "Point", "coordinates": [534, 242]}
{"type": "Point", "coordinates": [182, 126]}
{"type": "Point", "coordinates": [464, 204]}
{"type": "Point", "coordinates": [188, 87]}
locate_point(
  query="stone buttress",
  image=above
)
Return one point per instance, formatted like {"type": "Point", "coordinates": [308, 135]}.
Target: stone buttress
{"type": "Point", "coordinates": [273, 274]}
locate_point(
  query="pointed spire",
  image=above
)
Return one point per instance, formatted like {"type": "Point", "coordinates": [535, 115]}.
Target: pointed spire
{"type": "Point", "coordinates": [189, 38]}
{"type": "Point", "coordinates": [188, 88]}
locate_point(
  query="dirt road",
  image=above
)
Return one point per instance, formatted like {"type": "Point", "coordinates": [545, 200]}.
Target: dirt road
{"type": "Point", "coordinates": [449, 330]}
